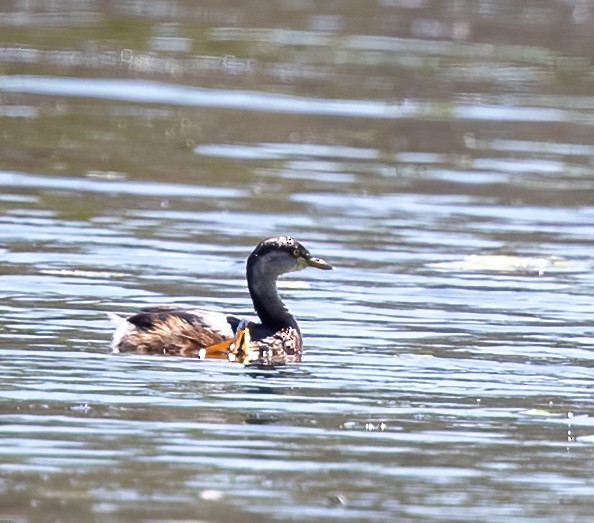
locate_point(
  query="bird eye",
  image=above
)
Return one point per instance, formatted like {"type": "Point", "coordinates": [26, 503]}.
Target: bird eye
{"type": "Point", "coordinates": [296, 253]}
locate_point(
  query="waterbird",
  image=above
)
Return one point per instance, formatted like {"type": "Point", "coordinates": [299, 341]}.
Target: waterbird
{"type": "Point", "coordinates": [275, 340]}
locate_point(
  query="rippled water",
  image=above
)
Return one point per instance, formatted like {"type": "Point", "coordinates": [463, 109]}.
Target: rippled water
{"type": "Point", "coordinates": [439, 155]}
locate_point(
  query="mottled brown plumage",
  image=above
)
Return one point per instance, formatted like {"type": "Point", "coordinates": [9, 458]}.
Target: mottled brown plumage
{"type": "Point", "coordinates": [206, 334]}
{"type": "Point", "coordinates": [171, 331]}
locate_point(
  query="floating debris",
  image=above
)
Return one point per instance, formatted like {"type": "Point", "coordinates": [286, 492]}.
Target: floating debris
{"type": "Point", "coordinates": [211, 495]}
{"type": "Point", "coordinates": [336, 500]}
{"type": "Point", "coordinates": [540, 412]}
{"type": "Point", "coordinates": [106, 175]}
{"type": "Point", "coordinates": [508, 263]}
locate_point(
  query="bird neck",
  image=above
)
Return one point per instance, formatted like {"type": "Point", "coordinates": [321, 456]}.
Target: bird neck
{"type": "Point", "coordinates": [268, 304]}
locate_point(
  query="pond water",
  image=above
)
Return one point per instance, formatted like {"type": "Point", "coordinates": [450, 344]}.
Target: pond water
{"type": "Point", "coordinates": [438, 154]}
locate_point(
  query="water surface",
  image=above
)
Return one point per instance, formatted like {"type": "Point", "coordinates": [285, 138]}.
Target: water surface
{"type": "Point", "coordinates": [439, 155]}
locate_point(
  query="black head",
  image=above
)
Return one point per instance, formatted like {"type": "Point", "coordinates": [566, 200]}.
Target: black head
{"type": "Point", "coordinates": [284, 254]}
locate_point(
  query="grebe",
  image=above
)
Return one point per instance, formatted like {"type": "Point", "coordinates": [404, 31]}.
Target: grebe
{"type": "Point", "coordinates": [207, 334]}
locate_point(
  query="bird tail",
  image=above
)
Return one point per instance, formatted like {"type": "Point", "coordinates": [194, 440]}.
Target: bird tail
{"type": "Point", "coordinates": [122, 329]}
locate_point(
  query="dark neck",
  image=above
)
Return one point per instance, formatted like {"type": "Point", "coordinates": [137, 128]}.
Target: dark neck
{"type": "Point", "coordinates": [271, 310]}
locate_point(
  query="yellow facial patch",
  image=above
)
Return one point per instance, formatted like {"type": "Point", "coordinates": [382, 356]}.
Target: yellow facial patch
{"type": "Point", "coordinates": [302, 263]}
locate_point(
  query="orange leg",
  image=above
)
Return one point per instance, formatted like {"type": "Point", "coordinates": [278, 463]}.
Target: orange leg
{"type": "Point", "coordinates": [217, 351]}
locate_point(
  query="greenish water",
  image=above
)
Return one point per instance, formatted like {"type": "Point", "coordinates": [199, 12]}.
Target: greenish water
{"type": "Point", "coordinates": [438, 155]}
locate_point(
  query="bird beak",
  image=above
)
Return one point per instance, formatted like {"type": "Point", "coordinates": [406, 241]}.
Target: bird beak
{"type": "Point", "coordinates": [318, 263]}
